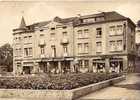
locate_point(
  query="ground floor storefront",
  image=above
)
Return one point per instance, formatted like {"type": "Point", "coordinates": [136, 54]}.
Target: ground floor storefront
{"type": "Point", "coordinates": [82, 64]}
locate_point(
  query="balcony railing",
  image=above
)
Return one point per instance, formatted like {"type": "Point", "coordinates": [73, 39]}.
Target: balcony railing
{"type": "Point", "coordinates": [64, 41]}
{"type": "Point", "coordinates": [42, 42]}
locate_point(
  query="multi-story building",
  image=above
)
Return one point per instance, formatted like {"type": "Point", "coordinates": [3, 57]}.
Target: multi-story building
{"type": "Point", "coordinates": [90, 43]}
{"type": "Point", "coordinates": [138, 39]}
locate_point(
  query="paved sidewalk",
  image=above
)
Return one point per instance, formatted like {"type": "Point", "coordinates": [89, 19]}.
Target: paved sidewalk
{"type": "Point", "coordinates": [126, 90]}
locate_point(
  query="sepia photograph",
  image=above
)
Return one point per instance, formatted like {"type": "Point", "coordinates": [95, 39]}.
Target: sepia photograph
{"type": "Point", "coordinates": [69, 50]}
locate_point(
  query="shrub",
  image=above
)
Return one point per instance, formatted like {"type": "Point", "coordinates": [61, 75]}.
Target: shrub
{"type": "Point", "coordinates": [56, 82]}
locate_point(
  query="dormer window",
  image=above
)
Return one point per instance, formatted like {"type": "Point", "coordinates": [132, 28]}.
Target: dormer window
{"type": "Point", "coordinates": [89, 20]}
{"type": "Point", "coordinates": [99, 19]}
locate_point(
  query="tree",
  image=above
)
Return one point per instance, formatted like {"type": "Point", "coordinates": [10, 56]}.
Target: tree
{"type": "Point", "coordinates": [6, 56]}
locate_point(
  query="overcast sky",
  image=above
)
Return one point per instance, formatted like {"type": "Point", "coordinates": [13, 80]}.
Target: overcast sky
{"type": "Point", "coordinates": [35, 11]}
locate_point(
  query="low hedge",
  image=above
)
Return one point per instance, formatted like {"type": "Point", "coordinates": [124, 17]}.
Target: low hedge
{"type": "Point", "coordinates": [56, 82]}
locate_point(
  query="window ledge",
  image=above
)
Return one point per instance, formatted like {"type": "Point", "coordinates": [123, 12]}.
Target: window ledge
{"type": "Point", "coordinates": [27, 56]}
{"type": "Point", "coordinates": [116, 51]}
{"type": "Point", "coordinates": [27, 43]}
{"type": "Point", "coordinates": [98, 36]}
{"type": "Point", "coordinates": [98, 52]}
{"type": "Point", "coordinates": [83, 38]}
{"type": "Point", "coordinates": [82, 53]}
{"type": "Point", "coordinates": [116, 35]}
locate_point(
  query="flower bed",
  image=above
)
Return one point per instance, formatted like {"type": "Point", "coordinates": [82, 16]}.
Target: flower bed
{"type": "Point", "coordinates": [56, 82]}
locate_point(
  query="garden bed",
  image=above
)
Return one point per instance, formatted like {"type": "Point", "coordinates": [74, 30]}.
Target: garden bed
{"type": "Point", "coordinates": [55, 82]}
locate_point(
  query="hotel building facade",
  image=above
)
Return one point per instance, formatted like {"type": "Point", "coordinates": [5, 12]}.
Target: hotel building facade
{"type": "Point", "coordinates": [103, 42]}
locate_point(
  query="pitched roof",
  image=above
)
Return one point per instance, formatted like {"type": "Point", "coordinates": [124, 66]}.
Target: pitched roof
{"type": "Point", "coordinates": [22, 24]}
{"type": "Point", "coordinates": [40, 24]}
{"type": "Point", "coordinates": [108, 16]}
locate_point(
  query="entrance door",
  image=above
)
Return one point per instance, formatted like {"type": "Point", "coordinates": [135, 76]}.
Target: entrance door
{"type": "Point", "coordinates": [27, 69]}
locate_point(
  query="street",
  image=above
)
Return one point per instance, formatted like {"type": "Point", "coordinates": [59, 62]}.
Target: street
{"type": "Point", "coordinates": [125, 90]}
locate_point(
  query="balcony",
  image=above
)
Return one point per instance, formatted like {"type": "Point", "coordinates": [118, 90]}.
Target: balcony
{"type": "Point", "coordinates": [42, 56]}
{"type": "Point", "coordinates": [65, 55]}
{"type": "Point", "coordinates": [64, 41]}
{"type": "Point", "coordinates": [42, 42]}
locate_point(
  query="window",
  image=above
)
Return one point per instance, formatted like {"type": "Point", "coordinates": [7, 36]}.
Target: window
{"type": "Point", "coordinates": [79, 33]}
{"type": "Point", "coordinates": [28, 51]}
{"type": "Point", "coordinates": [112, 45]}
{"type": "Point", "coordinates": [42, 49]}
{"type": "Point", "coordinates": [112, 30]}
{"type": "Point", "coordinates": [19, 52]}
{"type": "Point", "coordinates": [41, 35]}
{"type": "Point", "coordinates": [119, 29]}
{"type": "Point", "coordinates": [80, 63]}
{"type": "Point", "coordinates": [99, 18]}
{"type": "Point", "coordinates": [79, 47]}
{"type": "Point", "coordinates": [17, 39]}
{"type": "Point", "coordinates": [89, 20]}
{"type": "Point", "coordinates": [64, 34]}
{"type": "Point", "coordinates": [119, 45]}
{"type": "Point", "coordinates": [25, 39]}
{"type": "Point", "coordinates": [86, 33]}
{"type": "Point", "coordinates": [132, 45]}
{"type": "Point", "coordinates": [116, 30]}
{"type": "Point", "coordinates": [29, 39]}
{"type": "Point", "coordinates": [65, 48]}
{"type": "Point", "coordinates": [52, 36]}
{"type": "Point", "coordinates": [53, 51]}
{"type": "Point", "coordinates": [99, 32]}
{"type": "Point", "coordinates": [99, 46]}
{"type": "Point", "coordinates": [86, 47]}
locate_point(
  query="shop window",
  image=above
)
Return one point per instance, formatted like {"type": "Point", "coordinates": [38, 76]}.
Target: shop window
{"type": "Point", "coordinates": [86, 63]}
{"type": "Point", "coordinates": [80, 63]}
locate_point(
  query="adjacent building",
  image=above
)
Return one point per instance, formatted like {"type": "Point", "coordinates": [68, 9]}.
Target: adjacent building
{"type": "Point", "coordinates": [103, 42]}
